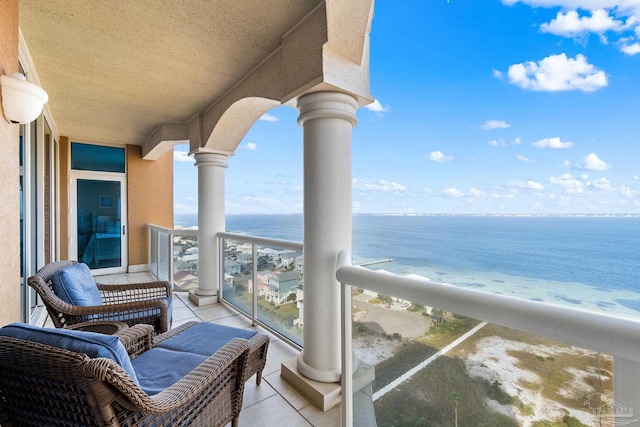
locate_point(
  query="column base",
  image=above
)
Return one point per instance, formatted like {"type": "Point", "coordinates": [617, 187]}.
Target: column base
{"type": "Point", "coordinates": [325, 396]}
{"type": "Point", "coordinates": [201, 300]}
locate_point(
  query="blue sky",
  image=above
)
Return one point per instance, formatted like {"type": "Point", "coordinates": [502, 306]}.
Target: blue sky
{"type": "Point", "coordinates": [504, 107]}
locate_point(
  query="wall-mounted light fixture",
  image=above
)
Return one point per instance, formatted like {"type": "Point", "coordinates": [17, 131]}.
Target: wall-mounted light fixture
{"type": "Point", "coordinates": [22, 101]}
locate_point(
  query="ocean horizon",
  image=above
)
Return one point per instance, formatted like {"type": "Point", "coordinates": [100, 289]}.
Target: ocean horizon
{"type": "Point", "coordinates": [586, 261]}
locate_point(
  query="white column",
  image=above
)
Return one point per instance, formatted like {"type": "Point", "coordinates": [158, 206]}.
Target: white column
{"type": "Point", "coordinates": [211, 220]}
{"type": "Point", "coordinates": [327, 119]}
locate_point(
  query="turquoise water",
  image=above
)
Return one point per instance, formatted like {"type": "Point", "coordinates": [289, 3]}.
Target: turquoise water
{"type": "Point", "coordinates": [588, 262]}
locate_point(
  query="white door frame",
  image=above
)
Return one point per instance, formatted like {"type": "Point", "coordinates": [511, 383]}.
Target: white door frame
{"type": "Point", "coordinates": [74, 176]}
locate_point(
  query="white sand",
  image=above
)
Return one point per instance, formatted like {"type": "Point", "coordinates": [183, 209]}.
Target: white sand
{"type": "Point", "coordinates": [492, 362]}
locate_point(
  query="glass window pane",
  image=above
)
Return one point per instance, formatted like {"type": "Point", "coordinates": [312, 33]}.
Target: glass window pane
{"type": "Point", "coordinates": [97, 158]}
{"type": "Point", "coordinates": [99, 223]}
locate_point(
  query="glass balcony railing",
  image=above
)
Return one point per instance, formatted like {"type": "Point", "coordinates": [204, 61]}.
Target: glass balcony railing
{"type": "Point", "coordinates": [173, 256]}
{"type": "Point", "coordinates": [264, 279]}
{"type": "Point", "coordinates": [419, 356]}
{"type": "Point", "coordinates": [420, 353]}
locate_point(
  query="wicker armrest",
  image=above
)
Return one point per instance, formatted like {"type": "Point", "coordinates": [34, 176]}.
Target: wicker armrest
{"type": "Point", "coordinates": [137, 339]}
{"type": "Point", "coordinates": [115, 293]}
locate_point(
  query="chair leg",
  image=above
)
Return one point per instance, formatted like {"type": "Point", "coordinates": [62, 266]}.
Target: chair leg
{"type": "Point", "coordinates": [258, 377]}
{"type": "Point", "coordinates": [234, 422]}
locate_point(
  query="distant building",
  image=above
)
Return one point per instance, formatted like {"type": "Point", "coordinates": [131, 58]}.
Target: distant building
{"type": "Point", "coordinates": [281, 285]}
{"type": "Point", "coordinates": [299, 322]}
{"type": "Point", "coordinates": [232, 267]}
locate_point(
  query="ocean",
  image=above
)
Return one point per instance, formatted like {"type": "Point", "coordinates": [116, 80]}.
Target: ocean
{"type": "Point", "coordinates": [589, 262]}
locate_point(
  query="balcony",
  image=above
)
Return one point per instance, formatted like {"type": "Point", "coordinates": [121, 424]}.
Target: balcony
{"type": "Point", "coordinates": [427, 352]}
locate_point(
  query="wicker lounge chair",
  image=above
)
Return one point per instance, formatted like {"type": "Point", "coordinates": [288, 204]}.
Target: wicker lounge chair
{"type": "Point", "coordinates": [133, 303]}
{"type": "Point", "coordinates": [46, 385]}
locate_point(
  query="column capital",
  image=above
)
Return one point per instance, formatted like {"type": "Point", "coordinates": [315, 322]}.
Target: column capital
{"type": "Point", "coordinates": [211, 158]}
{"type": "Point", "coordinates": [327, 105]}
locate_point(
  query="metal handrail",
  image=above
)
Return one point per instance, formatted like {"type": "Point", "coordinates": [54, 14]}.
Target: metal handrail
{"type": "Point", "coordinates": [617, 336]}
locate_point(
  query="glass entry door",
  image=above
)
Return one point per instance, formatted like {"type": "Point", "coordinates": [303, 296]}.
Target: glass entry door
{"type": "Point", "coordinates": [98, 223]}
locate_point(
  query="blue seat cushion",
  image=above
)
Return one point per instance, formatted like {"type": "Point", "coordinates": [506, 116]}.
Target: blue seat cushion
{"type": "Point", "coordinates": [159, 368]}
{"type": "Point", "coordinates": [90, 343]}
{"type": "Point", "coordinates": [205, 338]}
{"type": "Point", "coordinates": [75, 285]}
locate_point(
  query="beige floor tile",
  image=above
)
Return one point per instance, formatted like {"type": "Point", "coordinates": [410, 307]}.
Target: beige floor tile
{"type": "Point", "coordinates": [112, 279]}
{"type": "Point", "coordinates": [290, 394]}
{"type": "Point", "coordinates": [214, 313]}
{"type": "Point", "coordinates": [318, 418]}
{"type": "Point", "coordinates": [182, 313]}
{"type": "Point", "coordinates": [272, 412]}
{"type": "Point", "coordinates": [254, 394]}
{"type": "Point", "coordinates": [278, 352]}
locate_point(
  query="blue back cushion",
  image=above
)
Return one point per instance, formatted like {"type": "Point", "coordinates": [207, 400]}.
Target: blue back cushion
{"type": "Point", "coordinates": [89, 343]}
{"type": "Point", "coordinates": [75, 285]}
{"type": "Point", "coordinates": [205, 338]}
{"type": "Point", "coordinates": [159, 368]}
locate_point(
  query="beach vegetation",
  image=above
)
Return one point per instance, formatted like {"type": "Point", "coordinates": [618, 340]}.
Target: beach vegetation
{"type": "Point", "coordinates": [567, 421]}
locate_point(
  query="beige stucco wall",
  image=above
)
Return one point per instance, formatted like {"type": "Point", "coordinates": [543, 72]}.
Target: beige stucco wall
{"type": "Point", "coordinates": [9, 176]}
{"type": "Point", "coordinates": [150, 198]}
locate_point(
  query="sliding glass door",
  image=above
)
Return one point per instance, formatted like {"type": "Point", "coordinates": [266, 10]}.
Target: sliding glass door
{"type": "Point", "coordinates": [98, 223]}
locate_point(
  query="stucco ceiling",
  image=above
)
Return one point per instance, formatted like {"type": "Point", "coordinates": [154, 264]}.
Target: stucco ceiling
{"type": "Point", "coordinates": [115, 69]}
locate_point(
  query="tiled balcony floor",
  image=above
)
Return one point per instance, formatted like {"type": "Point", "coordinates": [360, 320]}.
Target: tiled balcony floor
{"type": "Point", "coordinates": [271, 404]}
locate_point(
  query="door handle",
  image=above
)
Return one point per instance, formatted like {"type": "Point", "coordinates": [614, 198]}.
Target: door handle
{"type": "Point", "coordinates": [124, 230]}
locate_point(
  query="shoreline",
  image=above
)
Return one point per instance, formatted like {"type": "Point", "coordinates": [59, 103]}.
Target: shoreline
{"type": "Point", "coordinates": [615, 302]}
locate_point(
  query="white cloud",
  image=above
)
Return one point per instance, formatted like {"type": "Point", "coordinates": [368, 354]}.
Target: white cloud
{"type": "Point", "coordinates": [602, 184]}
{"type": "Point", "coordinates": [626, 192]}
{"type": "Point", "coordinates": [627, 6]}
{"type": "Point", "coordinates": [377, 107]}
{"type": "Point", "coordinates": [553, 143]}
{"type": "Point", "coordinates": [182, 156]}
{"type": "Point", "coordinates": [439, 157]}
{"type": "Point", "coordinates": [524, 159]}
{"type": "Point", "coordinates": [498, 74]}
{"type": "Point", "coordinates": [570, 24]}
{"type": "Point", "coordinates": [453, 192]}
{"type": "Point", "coordinates": [636, 178]}
{"type": "Point", "coordinates": [268, 118]}
{"type": "Point", "coordinates": [495, 124]}
{"type": "Point", "coordinates": [568, 182]}
{"type": "Point", "coordinates": [527, 185]}
{"type": "Point", "coordinates": [630, 49]}
{"type": "Point", "coordinates": [474, 192]}
{"type": "Point", "coordinates": [501, 143]}
{"type": "Point", "coordinates": [558, 73]}
{"type": "Point", "coordinates": [250, 146]}
{"type": "Point", "coordinates": [382, 185]}
{"type": "Point", "coordinates": [592, 162]}
{"type": "Point", "coordinates": [261, 200]}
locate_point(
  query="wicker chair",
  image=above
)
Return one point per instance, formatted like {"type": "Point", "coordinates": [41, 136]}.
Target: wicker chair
{"type": "Point", "coordinates": [130, 303]}
{"type": "Point", "coordinates": [45, 385]}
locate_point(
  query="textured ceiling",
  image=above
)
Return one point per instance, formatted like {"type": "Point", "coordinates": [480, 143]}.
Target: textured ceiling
{"type": "Point", "coordinates": [115, 69]}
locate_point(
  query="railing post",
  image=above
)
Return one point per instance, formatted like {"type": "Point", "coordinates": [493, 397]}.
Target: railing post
{"type": "Point", "coordinates": [346, 379]}
{"type": "Point", "coordinates": [149, 231]}
{"type": "Point", "coordinates": [221, 255]}
{"type": "Point", "coordinates": [626, 392]}
{"type": "Point", "coordinates": [170, 260]}
{"type": "Point", "coordinates": [254, 284]}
